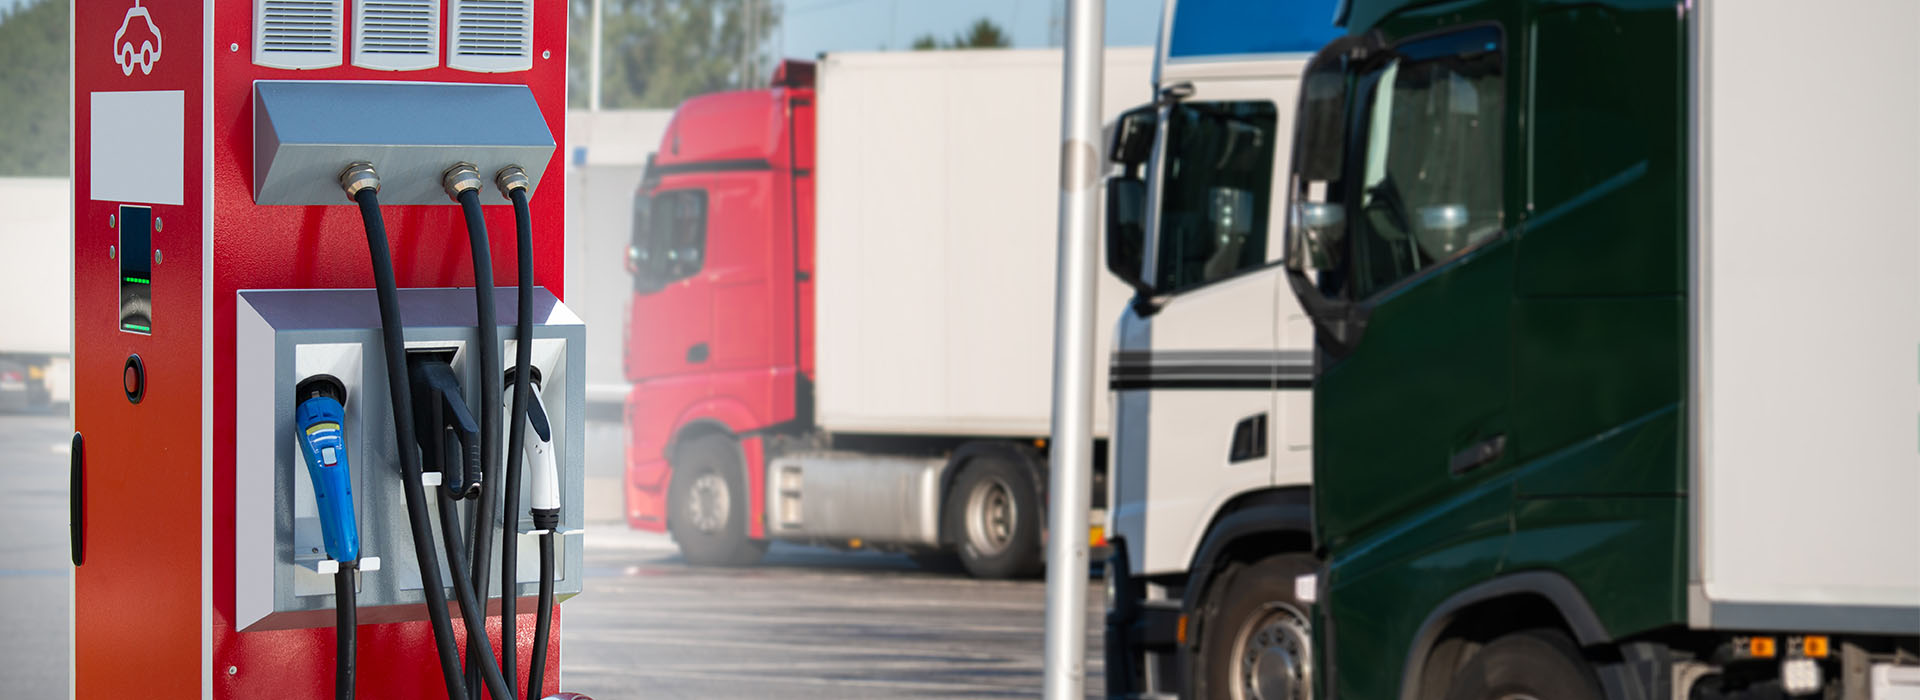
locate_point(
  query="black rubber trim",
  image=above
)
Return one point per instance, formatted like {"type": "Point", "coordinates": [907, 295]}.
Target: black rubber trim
{"type": "Point", "coordinates": [1558, 591]}
{"type": "Point", "coordinates": [1123, 660]}
{"type": "Point", "coordinates": [77, 501]}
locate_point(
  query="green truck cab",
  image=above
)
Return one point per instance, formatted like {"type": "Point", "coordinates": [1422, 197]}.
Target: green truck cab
{"type": "Point", "coordinates": [1617, 307]}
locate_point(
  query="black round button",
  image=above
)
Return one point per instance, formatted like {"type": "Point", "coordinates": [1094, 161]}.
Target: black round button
{"type": "Point", "coordinates": [134, 379]}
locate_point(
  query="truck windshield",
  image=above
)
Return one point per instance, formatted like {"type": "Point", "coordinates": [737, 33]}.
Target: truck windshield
{"type": "Point", "coordinates": [1217, 187]}
{"type": "Point", "coordinates": [1431, 181]}
{"type": "Point", "coordinates": [669, 237]}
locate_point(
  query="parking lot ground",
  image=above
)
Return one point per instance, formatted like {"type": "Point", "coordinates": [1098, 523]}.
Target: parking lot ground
{"type": "Point", "coordinates": [805, 623]}
{"type": "Point", "coordinates": [35, 570]}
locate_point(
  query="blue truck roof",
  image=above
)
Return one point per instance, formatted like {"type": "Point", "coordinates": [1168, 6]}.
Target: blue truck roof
{"type": "Point", "coordinates": [1203, 28]}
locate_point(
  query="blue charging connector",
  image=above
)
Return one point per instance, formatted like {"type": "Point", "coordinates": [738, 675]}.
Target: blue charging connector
{"type": "Point", "coordinates": [320, 420]}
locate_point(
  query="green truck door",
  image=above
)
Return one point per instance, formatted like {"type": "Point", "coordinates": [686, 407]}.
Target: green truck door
{"type": "Point", "coordinates": [1418, 408]}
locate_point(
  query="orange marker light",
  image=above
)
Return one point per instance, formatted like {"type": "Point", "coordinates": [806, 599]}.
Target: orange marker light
{"type": "Point", "coordinates": [1815, 646]}
{"type": "Point", "coordinates": [1180, 631]}
{"type": "Point", "coordinates": [1096, 536]}
{"type": "Point", "coordinates": [1761, 647]}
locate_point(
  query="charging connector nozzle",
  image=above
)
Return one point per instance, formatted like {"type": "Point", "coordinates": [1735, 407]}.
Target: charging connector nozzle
{"type": "Point", "coordinates": [544, 501]}
{"type": "Point", "coordinates": [447, 433]}
{"type": "Point", "coordinates": [319, 423]}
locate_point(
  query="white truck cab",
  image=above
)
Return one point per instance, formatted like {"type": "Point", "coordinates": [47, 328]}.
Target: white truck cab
{"type": "Point", "coordinates": [1208, 513]}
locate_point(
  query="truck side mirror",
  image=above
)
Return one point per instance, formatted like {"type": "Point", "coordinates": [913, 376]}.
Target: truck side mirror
{"type": "Point", "coordinates": [1127, 230]}
{"type": "Point", "coordinates": [1133, 137]}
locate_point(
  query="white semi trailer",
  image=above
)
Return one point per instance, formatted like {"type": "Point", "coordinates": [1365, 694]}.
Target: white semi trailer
{"type": "Point", "coordinates": [36, 351]}
{"type": "Point", "coordinates": [843, 312]}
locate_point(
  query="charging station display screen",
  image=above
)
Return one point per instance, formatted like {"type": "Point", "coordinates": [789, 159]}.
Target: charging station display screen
{"type": "Point", "coordinates": [136, 269]}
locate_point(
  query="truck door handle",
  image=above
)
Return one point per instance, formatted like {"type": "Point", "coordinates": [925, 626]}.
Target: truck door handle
{"type": "Point", "coordinates": [1477, 455]}
{"type": "Point", "coordinates": [697, 354]}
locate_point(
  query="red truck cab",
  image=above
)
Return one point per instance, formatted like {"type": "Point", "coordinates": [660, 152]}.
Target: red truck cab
{"type": "Point", "coordinates": [720, 333]}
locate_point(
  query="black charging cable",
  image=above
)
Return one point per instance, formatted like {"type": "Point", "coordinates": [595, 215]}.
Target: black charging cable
{"type": "Point", "coordinates": [344, 623]}
{"type": "Point", "coordinates": [471, 610]}
{"type": "Point", "coordinates": [440, 400]}
{"type": "Point", "coordinates": [543, 621]}
{"type": "Point", "coordinates": [513, 183]}
{"type": "Point", "coordinates": [462, 182]}
{"type": "Point", "coordinates": [363, 186]}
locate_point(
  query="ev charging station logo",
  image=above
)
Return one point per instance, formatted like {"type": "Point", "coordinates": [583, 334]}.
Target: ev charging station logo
{"type": "Point", "coordinates": [138, 41]}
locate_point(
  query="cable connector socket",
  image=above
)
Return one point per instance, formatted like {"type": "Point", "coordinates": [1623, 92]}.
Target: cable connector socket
{"type": "Point", "coordinates": [358, 176]}
{"type": "Point", "coordinates": [512, 178]}
{"type": "Point", "coordinates": [462, 177]}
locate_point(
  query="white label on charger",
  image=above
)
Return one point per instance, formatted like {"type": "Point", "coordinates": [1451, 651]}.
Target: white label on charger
{"type": "Point", "coordinates": [139, 142]}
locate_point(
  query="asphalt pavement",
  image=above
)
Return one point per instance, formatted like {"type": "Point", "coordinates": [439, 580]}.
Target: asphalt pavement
{"type": "Point", "coordinates": [35, 570]}
{"type": "Point", "coordinates": [805, 623]}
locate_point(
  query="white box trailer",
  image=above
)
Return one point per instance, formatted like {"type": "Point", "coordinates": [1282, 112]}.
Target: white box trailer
{"type": "Point", "coordinates": [937, 229]}
{"type": "Point", "coordinates": [37, 275]}
{"type": "Point", "coordinates": [1805, 317]}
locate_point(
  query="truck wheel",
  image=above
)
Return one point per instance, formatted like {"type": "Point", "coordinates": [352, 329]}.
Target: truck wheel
{"type": "Point", "coordinates": [1256, 643]}
{"type": "Point", "coordinates": [1541, 663]}
{"type": "Point", "coordinates": [707, 505]}
{"type": "Point", "coordinates": [993, 516]}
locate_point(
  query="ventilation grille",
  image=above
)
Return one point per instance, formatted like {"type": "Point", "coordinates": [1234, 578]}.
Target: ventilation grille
{"type": "Point", "coordinates": [396, 34]}
{"type": "Point", "coordinates": [491, 36]}
{"type": "Point", "coordinates": [297, 33]}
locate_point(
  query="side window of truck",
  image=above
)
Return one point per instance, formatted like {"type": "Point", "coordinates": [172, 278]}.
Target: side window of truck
{"type": "Point", "coordinates": [1431, 168]}
{"type": "Point", "coordinates": [670, 236]}
{"type": "Point", "coordinates": [1216, 191]}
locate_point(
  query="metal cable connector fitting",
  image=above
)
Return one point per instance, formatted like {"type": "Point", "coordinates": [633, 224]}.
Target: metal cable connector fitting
{"type": "Point", "coordinates": [461, 177]}
{"type": "Point", "coordinates": [358, 176]}
{"type": "Point", "coordinates": [512, 178]}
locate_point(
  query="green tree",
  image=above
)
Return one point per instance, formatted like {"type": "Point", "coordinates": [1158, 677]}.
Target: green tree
{"type": "Point", "coordinates": [657, 53]}
{"type": "Point", "coordinates": [35, 122]}
{"type": "Point", "coordinates": [982, 34]}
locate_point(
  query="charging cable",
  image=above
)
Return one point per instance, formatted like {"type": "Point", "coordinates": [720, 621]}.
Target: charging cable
{"type": "Point", "coordinates": [362, 185]}
{"type": "Point", "coordinates": [462, 183]}
{"type": "Point", "coordinates": [513, 183]}
{"type": "Point", "coordinates": [544, 505]}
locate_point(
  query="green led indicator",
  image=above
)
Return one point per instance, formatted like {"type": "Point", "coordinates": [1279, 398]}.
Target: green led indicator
{"type": "Point", "coordinates": [137, 280]}
{"type": "Point", "coordinates": [136, 327]}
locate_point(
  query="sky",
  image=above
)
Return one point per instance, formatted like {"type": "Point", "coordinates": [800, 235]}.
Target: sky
{"type": "Point", "coordinates": [810, 27]}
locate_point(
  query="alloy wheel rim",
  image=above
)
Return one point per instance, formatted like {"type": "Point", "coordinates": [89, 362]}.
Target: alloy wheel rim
{"type": "Point", "coordinates": [708, 503]}
{"type": "Point", "coordinates": [1273, 655]}
{"type": "Point", "coordinates": [991, 516]}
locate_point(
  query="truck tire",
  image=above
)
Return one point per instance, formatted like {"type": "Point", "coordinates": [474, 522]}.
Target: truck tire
{"type": "Point", "coordinates": [1539, 663]}
{"type": "Point", "coordinates": [707, 504]}
{"type": "Point", "coordinates": [993, 518]}
{"type": "Point", "coordinates": [1255, 639]}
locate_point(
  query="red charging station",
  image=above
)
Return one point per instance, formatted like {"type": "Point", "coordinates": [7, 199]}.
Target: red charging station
{"type": "Point", "coordinates": [167, 231]}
